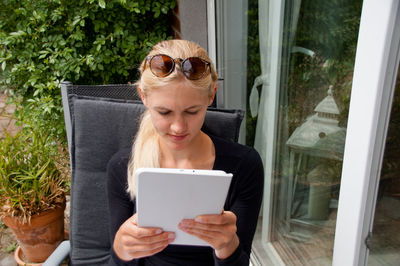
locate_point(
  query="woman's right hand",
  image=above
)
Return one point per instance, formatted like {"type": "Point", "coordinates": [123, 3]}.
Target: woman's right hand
{"type": "Point", "coordinates": [133, 242]}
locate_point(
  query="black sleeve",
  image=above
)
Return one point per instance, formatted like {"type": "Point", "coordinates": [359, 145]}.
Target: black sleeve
{"type": "Point", "coordinates": [246, 200]}
{"type": "Point", "coordinates": [120, 205]}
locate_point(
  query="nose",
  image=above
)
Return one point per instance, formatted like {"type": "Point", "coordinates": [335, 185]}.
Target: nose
{"type": "Point", "coordinates": [178, 125]}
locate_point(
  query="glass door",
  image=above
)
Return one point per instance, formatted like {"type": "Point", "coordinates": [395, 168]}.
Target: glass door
{"type": "Point", "coordinates": [299, 105]}
{"type": "Point", "coordinates": [384, 242]}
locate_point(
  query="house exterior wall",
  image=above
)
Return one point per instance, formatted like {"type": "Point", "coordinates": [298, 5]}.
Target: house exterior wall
{"type": "Point", "coordinates": [190, 21]}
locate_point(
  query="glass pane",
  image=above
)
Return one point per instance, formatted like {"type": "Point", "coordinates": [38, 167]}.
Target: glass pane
{"type": "Point", "coordinates": [253, 68]}
{"type": "Point", "coordinates": [318, 52]}
{"type": "Point", "coordinates": [385, 241]}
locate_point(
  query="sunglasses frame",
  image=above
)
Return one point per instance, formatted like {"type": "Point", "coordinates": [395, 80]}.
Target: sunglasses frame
{"type": "Point", "coordinates": [181, 62]}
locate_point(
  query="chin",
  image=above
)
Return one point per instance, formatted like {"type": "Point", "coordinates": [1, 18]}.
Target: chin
{"type": "Point", "coordinates": [177, 146]}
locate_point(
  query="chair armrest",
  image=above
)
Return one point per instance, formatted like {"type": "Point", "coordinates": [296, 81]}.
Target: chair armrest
{"type": "Point", "coordinates": [59, 254]}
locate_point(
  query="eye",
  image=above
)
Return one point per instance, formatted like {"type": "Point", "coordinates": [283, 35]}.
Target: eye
{"type": "Point", "coordinates": [192, 112]}
{"type": "Point", "coordinates": [164, 112]}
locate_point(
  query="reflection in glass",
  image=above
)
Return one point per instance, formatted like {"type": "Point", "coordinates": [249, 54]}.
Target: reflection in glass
{"type": "Point", "coordinates": [318, 51]}
{"type": "Point", "coordinates": [385, 241]}
{"type": "Point", "coordinates": [315, 155]}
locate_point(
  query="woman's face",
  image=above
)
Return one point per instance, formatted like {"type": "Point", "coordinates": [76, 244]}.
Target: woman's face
{"type": "Point", "coordinates": [177, 111]}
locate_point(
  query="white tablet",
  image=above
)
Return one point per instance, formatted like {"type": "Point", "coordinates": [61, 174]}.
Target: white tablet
{"type": "Point", "coordinates": [165, 196]}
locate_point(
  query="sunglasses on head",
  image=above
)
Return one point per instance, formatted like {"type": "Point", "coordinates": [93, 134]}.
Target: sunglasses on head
{"type": "Point", "coordinates": [162, 65]}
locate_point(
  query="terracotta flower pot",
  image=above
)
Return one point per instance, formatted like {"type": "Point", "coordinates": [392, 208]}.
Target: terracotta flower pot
{"type": "Point", "coordinates": [41, 237]}
{"type": "Point", "coordinates": [19, 258]}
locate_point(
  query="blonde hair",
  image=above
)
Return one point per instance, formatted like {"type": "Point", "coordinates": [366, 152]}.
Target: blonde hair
{"type": "Point", "coordinates": [145, 149]}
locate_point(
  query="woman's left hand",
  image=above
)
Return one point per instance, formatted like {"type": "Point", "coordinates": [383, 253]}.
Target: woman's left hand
{"type": "Point", "coordinates": [218, 230]}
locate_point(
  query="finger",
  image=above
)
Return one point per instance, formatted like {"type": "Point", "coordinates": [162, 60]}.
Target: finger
{"type": "Point", "coordinates": [166, 236]}
{"type": "Point", "coordinates": [132, 241]}
{"type": "Point", "coordinates": [148, 247]}
{"type": "Point", "coordinates": [215, 239]}
{"type": "Point", "coordinates": [200, 232]}
{"type": "Point", "coordinates": [133, 219]}
{"type": "Point", "coordinates": [224, 218]}
{"type": "Point", "coordinates": [146, 251]}
{"type": "Point", "coordinates": [139, 232]}
{"type": "Point", "coordinates": [221, 233]}
{"type": "Point", "coordinates": [191, 224]}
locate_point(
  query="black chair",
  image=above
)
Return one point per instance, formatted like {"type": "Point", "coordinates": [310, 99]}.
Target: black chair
{"type": "Point", "coordinates": [100, 120]}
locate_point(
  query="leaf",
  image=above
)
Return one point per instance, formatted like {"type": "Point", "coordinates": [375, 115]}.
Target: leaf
{"type": "Point", "coordinates": [164, 9]}
{"type": "Point", "coordinates": [102, 3]}
{"type": "Point", "coordinates": [3, 65]}
{"type": "Point", "coordinates": [18, 33]}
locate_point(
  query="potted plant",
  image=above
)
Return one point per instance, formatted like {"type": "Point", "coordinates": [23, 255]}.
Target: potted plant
{"type": "Point", "coordinates": [32, 187]}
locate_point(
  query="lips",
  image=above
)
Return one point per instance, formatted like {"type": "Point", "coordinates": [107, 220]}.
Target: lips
{"type": "Point", "coordinates": [177, 137]}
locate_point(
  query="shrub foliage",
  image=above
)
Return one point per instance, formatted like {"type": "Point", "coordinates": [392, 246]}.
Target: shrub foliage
{"type": "Point", "coordinates": [44, 42]}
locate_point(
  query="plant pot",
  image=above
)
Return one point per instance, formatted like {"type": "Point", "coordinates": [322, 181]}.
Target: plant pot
{"type": "Point", "coordinates": [39, 238]}
{"type": "Point", "coordinates": [19, 258]}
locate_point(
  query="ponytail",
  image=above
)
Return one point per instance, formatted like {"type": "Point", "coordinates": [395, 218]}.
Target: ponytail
{"type": "Point", "coordinates": [145, 151]}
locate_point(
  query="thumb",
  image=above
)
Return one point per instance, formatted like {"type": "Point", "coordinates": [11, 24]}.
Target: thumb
{"type": "Point", "coordinates": [133, 219]}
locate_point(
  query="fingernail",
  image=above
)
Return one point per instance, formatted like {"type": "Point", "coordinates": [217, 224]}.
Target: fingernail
{"type": "Point", "coordinates": [197, 219]}
{"type": "Point", "coordinates": [158, 231]}
{"type": "Point", "coordinates": [171, 236]}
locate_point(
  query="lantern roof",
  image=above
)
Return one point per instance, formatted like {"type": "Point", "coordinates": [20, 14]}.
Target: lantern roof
{"type": "Point", "coordinates": [328, 104]}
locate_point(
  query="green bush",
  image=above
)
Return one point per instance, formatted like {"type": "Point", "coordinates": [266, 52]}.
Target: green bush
{"type": "Point", "coordinates": [44, 42]}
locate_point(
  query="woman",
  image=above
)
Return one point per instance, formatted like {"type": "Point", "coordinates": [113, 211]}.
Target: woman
{"type": "Point", "coordinates": [177, 84]}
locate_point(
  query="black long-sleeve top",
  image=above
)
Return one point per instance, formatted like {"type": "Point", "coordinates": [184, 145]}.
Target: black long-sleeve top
{"type": "Point", "coordinates": [243, 199]}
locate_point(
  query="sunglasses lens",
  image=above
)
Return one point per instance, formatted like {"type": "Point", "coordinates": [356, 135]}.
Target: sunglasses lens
{"type": "Point", "coordinates": [161, 65]}
{"type": "Point", "coordinates": [194, 68]}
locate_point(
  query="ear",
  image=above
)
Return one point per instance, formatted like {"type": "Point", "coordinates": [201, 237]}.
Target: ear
{"type": "Point", "coordinates": [142, 96]}
{"type": "Point", "coordinates": [214, 91]}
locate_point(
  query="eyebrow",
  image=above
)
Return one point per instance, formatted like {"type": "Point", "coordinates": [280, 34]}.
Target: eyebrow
{"type": "Point", "coordinates": [162, 108]}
